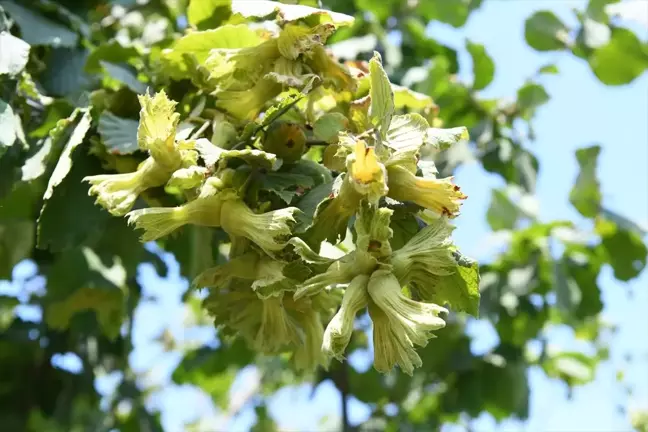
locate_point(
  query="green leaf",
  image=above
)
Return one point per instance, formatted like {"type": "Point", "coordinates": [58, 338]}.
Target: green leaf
{"type": "Point", "coordinates": [529, 97]}
{"type": "Point", "coordinates": [64, 164]}
{"type": "Point", "coordinates": [119, 135]}
{"type": "Point", "coordinates": [14, 54]}
{"type": "Point", "coordinates": [16, 244]}
{"type": "Point", "coordinates": [328, 126]}
{"type": "Point", "coordinates": [428, 168]}
{"type": "Point", "coordinates": [483, 66]}
{"type": "Point", "coordinates": [453, 12]}
{"type": "Point", "coordinates": [214, 369]}
{"type": "Point", "coordinates": [404, 226]}
{"type": "Point", "coordinates": [382, 96]}
{"type": "Point", "coordinates": [624, 222]}
{"type": "Point", "coordinates": [460, 290]}
{"type": "Point", "coordinates": [64, 74]}
{"type": "Point", "coordinates": [112, 52]}
{"type": "Point", "coordinates": [200, 43]}
{"type": "Point", "coordinates": [295, 40]}
{"type": "Point", "coordinates": [38, 30]}
{"type": "Point", "coordinates": [572, 367]}
{"type": "Point", "coordinates": [308, 204]}
{"type": "Point", "coordinates": [406, 98]}
{"type": "Point", "coordinates": [286, 185]}
{"type": "Point", "coordinates": [124, 76]}
{"type": "Point", "coordinates": [80, 280]}
{"type": "Point", "coordinates": [545, 32]}
{"type": "Point", "coordinates": [585, 273]}
{"type": "Point", "coordinates": [568, 294]}
{"type": "Point", "coordinates": [585, 195]}
{"type": "Point", "coordinates": [626, 252]}
{"type": "Point", "coordinates": [288, 12]}
{"type": "Point", "coordinates": [36, 165]}
{"type": "Point", "coordinates": [207, 13]}
{"type": "Point", "coordinates": [407, 132]}
{"type": "Point", "coordinates": [280, 108]}
{"type": "Point", "coordinates": [549, 69]}
{"type": "Point", "coordinates": [195, 248]}
{"type": "Point", "coordinates": [379, 8]}
{"type": "Point", "coordinates": [254, 157]}
{"type": "Point", "coordinates": [68, 215]}
{"type": "Point", "coordinates": [57, 110]}
{"type": "Point", "coordinates": [443, 139]}
{"type": "Point", "coordinates": [621, 61]}
{"type": "Point", "coordinates": [7, 305]}
{"type": "Point", "coordinates": [502, 213]}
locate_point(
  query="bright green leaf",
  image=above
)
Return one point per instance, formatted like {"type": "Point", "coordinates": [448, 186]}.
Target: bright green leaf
{"type": "Point", "coordinates": [621, 61]}
{"type": "Point", "coordinates": [327, 127]}
{"type": "Point", "coordinates": [545, 32]}
{"type": "Point", "coordinates": [586, 192]}
{"type": "Point", "coordinates": [573, 367]}
{"type": "Point", "coordinates": [406, 98]}
{"type": "Point", "coordinates": [253, 157]}
{"type": "Point", "coordinates": [207, 13]}
{"type": "Point", "coordinates": [443, 139]}
{"type": "Point", "coordinates": [407, 132]}
{"type": "Point", "coordinates": [287, 12]}
{"type": "Point", "coordinates": [549, 69]}
{"type": "Point", "coordinates": [483, 66]}
{"type": "Point", "coordinates": [624, 222]}
{"type": "Point", "coordinates": [626, 251]}
{"type": "Point", "coordinates": [453, 12]}
{"type": "Point", "coordinates": [460, 290]}
{"type": "Point", "coordinates": [530, 97]}
{"type": "Point", "coordinates": [382, 96]}
{"type": "Point", "coordinates": [200, 43]}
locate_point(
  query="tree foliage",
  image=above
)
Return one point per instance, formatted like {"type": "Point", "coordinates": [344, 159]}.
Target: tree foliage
{"type": "Point", "coordinates": [307, 196]}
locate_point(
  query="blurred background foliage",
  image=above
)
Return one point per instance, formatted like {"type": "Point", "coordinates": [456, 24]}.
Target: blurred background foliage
{"type": "Point", "coordinates": [73, 270]}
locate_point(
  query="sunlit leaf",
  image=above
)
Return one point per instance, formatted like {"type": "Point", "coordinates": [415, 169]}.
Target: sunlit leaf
{"type": "Point", "coordinates": [586, 192]}
{"type": "Point", "coordinates": [14, 54]}
{"type": "Point", "coordinates": [545, 32]}
{"type": "Point", "coordinates": [621, 60]}
{"type": "Point", "coordinates": [382, 96]}
{"type": "Point", "coordinates": [483, 66]}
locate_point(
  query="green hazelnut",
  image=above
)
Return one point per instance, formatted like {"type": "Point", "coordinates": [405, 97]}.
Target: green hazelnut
{"type": "Point", "coordinates": [286, 140]}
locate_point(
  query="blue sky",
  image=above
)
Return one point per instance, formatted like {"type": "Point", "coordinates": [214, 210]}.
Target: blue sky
{"type": "Point", "coordinates": [581, 112]}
